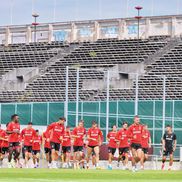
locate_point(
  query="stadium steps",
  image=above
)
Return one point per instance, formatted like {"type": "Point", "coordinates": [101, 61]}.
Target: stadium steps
{"type": "Point", "coordinates": [50, 85]}
{"type": "Point", "coordinates": [153, 57]}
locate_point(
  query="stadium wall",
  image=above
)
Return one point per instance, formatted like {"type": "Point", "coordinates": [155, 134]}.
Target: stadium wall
{"type": "Point", "coordinates": [93, 30]}
{"type": "Point", "coordinates": [150, 112]}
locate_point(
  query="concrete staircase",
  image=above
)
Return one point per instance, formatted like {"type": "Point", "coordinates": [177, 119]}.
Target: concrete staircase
{"type": "Point", "coordinates": [170, 45]}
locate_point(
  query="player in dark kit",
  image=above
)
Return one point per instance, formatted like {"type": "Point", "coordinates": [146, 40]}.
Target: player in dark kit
{"type": "Point", "coordinates": [13, 129]}
{"type": "Point", "coordinates": [169, 146]}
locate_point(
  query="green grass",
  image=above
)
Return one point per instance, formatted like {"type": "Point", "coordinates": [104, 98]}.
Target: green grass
{"type": "Point", "coordinates": [50, 175]}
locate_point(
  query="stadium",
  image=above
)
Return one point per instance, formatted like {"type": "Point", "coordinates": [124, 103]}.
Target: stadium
{"type": "Point", "coordinates": [94, 96]}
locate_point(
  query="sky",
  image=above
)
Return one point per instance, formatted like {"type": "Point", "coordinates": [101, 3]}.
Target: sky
{"type": "Point", "coordinates": [18, 12]}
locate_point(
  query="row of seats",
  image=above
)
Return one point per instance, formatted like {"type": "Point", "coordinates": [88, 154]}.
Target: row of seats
{"type": "Point", "coordinates": [50, 86]}
{"type": "Point", "coordinates": [151, 85]}
{"type": "Point", "coordinates": [32, 55]}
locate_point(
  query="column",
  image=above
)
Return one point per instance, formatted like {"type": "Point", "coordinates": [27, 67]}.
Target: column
{"type": "Point", "coordinates": [173, 32]}
{"type": "Point", "coordinates": [96, 31]}
{"type": "Point", "coordinates": [7, 37]}
{"type": "Point", "coordinates": [123, 27]}
{"type": "Point", "coordinates": [28, 35]}
{"type": "Point", "coordinates": [147, 28]}
{"type": "Point", "coordinates": [73, 36]}
{"type": "Point", "coordinates": [50, 34]}
{"type": "Point", "coordinates": [120, 29]}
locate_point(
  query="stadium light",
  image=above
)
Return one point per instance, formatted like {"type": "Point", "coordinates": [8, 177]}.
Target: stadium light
{"type": "Point", "coordinates": [138, 17]}
{"type": "Point", "coordinates": [35, 24]}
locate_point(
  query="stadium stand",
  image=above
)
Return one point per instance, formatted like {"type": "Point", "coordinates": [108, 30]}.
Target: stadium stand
{"type": "Point", "coordinates": [52, 59]}
{"type": "Point", "coordinates": [21, 55]}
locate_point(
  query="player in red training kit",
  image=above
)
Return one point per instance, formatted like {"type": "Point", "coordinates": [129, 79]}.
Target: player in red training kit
{"type": "Point", "coordinates": [47, 147]}
{"type": "Point", "coordinates": [146, 144]}
{"type": "Point", "coordinates": [1, 155]}
{"type": "Point", "coordinates": [111, 137]}
{"type": "Point", "coordinates": [95, 137]}
{"type": "Point", "coordinates": [78, 135]}
{"type": "Point", "coordinates": [135, 132]}
{"type": "Point", "coordinates": [66, 147]}
{"type": "Point", "coordinates": [4, 145]}
{"type": "Point", "coordinates": [57, 131]}
{"type": "Point", "coordinates": [36, 145]}
{"type": "Point", "coordinates": [123, 142]}
{"type": "Point", "coordinates": [13, 130]}
{"type": "Point", "coordinates": [27, 135]}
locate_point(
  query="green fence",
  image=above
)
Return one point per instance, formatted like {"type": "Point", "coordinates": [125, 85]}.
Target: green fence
{"type": "Point", "coordinates": [150, 113]}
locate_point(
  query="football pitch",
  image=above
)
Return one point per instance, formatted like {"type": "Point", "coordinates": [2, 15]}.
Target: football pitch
{"type": "Point", "coordinates": [50, 175]}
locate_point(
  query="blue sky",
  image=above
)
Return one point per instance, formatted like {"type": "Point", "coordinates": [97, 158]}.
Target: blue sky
{"type": "Point", "coordinates": [19, 11]}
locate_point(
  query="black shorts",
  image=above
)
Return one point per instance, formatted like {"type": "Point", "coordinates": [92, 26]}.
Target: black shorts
{"type": "Point", "coordinates": [78, 148]}
{"type": "Point", "coordinates": [92, 146]}
{"type": "Point", "coordinates": [47, 150]}
{"type": "Point", "coordinates": [168, 151]}
{"type": "Point", "coordinates": [136, 146]}
{"type": "Point", "coordinates": [14, 144]}
{"type": "Point", "coordinates": [123, 150]}
{"type": "Point", "coordinates": [27, 149]}
{"type": "Point", "coordinates": [55, 146]}
{"type": "Point", "coordinates": [145, 150]}
{"type": "Point", "coordinates": [66, 149]}
{"type": "Point", "coordinates": [35, 152]}
{"type": "Point", "coordinates": [4, 150]}
{"type": "Point", "coordinates": [111, 150]}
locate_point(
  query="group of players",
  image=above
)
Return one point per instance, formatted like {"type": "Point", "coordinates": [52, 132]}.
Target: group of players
{"type": "Point", "coordinates": [134, 139]}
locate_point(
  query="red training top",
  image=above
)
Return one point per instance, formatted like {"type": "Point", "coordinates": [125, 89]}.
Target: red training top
{"type": "Point", "coordinates": [145, 139]}
{"type": "Point", "coordinates": [36, 142]}
{"type": "Point", "coordinates": [122, 137]}
{"type": "Point", "coordinates": [27, 136]}
{"type": "Point", "coordinates": [1, 132]}
{"type": "Point", "coordinates": [112, 139]}
{"type": "Point", "coordinates": [80, 132]}
{"type": "Point", "coordinates": [46, 136]}
{"type": "Point", "coordinates": [5, 143]}
{"type": "Point", "coordinates": [96, 134]}
{"type": "Point", "coordinates": [66, 141]}
{"type": "Point", "coordinates": [14, 127]}
{"type": "Point", "coordinates": [57, 130]}
{"type": "Point", "coordinates": [135, 133]}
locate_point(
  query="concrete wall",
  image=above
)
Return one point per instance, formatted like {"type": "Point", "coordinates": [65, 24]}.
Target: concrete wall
{"type": "Point", "coordinates": [93, 30]}
{"type": "Point", "coordinates": [101, 84]}
{"type": "Point", "coordinates": [12, 81]}
{"type": "Point", "coordinates": [117, 80]}
{"type": "Point", "coordinates": [132, 68]}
